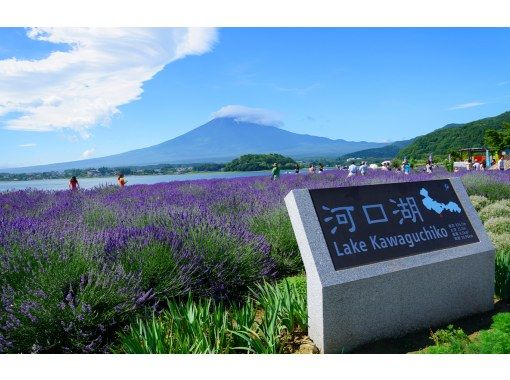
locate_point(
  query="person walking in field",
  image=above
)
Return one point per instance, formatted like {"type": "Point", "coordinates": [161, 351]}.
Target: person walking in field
{"type": "Point", "coordinates": [311, 169]}
{"type": "Point", "coordinates": [501, 164]}
{"type": "Point", "coordinates": [120, 179]}
{"type": "Point", "coordinates": [428, 167]}
{"type": "Point", "coordinates": [296, 169]}
{"type": "Point", "coordinates": [321, 168]}
{"type": "Point", "coordinates": [275, 172]}
{"type": "Point", "coordinates": [406, 167]}
{"type": "Point", "coordinates": [73, 184]}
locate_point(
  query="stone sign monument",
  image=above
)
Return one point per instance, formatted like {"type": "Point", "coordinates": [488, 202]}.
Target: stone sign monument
{"type": "Point", "coordinates": [384, 260]}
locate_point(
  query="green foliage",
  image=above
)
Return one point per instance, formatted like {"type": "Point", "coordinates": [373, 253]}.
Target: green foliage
{"type": "Point", "coordinates": [449, 341]}
{"type": "Point", "coordinates": [70, 305]}
{"type": "Point", "coordinates": [454, 155]}
{"type": "Point", "coordinates": [233, 265]}
{"type": "Point", "coordinates": [159, 268]}
{"type": "Point", "coordinates": [498, 140]}
{"type": "Point", "coordinates": [260, 325]}
{"type": "Point", "coordinates": [494, 210]}
{"type": "Point", "coordinates": [501, 240]}
{"type": "Point", "coordinates": [502, 274]}
{"type": "Point", "coordinates": [452, 137]}
{"type": "Point", "coordinates": [194, 327]}
{"type": "Point", "coordinates": [495, 140]}
{"type": "Point", "coordinates": [479, 184]}
{"type": "Point", "coordinates": [497, 339]}
{"type": "Point", "coordinates": [396, 163]}
{"type": "Point", "coordinates": [448, 165]}
{"type": "Point", "coordinates": [146, 337]}
{"type": "Point", "coordinates": [251, 162]}
{"type": "Point", "coordinates": [99, 218]}
{"type": "Point", "coordinates": [276, 227]}
{"type": "Point", "coordinates": [298, 283]}
{"type": "Point", "coordinates": [501, 322]}
{"type": "Point", "coordinates": [293, 312]}
{"type": "Point", "coordinates": [285, 311]}
{"type": "Point", "coordinates": [113, 171]}
{"type": "Point", "coordinates": [452, 340]}
{"type": "Point", "coordinates": [479, 201]}
{"type": "Point", "coordinates": [498, 225]}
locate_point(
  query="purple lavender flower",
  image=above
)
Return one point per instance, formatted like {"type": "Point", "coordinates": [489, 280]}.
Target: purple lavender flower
{"type": "Point", "coordinates": [86, 258]}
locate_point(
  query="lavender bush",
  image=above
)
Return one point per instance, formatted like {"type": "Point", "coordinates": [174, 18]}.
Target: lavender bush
{"type": "Point", "coordinates": [76, 267]}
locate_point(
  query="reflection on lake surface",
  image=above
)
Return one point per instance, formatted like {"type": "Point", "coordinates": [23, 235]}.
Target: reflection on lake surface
{"type": "Point", "coordinates": [88, 183]}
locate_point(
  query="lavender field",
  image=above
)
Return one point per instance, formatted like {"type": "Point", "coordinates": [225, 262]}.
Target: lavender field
{"type": "Point", "coordinates": [77, 267]}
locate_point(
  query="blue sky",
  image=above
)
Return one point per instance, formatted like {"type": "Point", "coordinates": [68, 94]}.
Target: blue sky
{"type": "Point", "coordinates": [71, 93]}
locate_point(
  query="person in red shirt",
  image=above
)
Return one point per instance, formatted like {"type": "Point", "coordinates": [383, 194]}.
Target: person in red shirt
{"type": "Point", "coordinates": [121, 180]}
{"type": "Point", "coordinates": [73, 184]}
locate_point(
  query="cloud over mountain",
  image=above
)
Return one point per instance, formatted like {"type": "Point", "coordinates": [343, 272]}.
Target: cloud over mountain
{"type": "Point", "coordinates": [251, 115]}
{"type": "Point", "coordinates": [84, 86]}
{"type": "Point", "coordinates": [88, 153]}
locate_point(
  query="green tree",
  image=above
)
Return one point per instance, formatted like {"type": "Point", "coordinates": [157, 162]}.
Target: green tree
{"type": "Point", "coordinates": [498, 140]}
{"type": "Point", "coordinates": [453, 137]}
{"type": "Point", "coordinates": [251, 162]}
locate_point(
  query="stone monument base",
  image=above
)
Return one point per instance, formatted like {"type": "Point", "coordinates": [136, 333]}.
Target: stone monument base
{"type": "Point", "coordinates": [394, 304]}
{"type": "Point", "coordinates": [356, 305]}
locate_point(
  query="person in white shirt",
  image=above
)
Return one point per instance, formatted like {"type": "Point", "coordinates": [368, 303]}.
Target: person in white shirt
{"type": "Point", "coordinates": [428, 167]}
{"type": "Point", "coordinates": [353, 169]}
{"type": "Point", "coordinates": [363, 168]}
{"type": "Point", "coordinates": [501, 164]}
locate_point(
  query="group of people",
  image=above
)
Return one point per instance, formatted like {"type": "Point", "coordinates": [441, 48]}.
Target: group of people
{"type": "Point", "coordinates": [313, 169]}
{"type": "Point", "coordinates": [482, 165]}
{"type": "Point", "coordinates": [353, 169]}
{"type": "Point", "coordinates": [74, 185]}
{"type": "Point", "coordinates": [275, 172]}
{"type": "Point", "coordinates": [477, 165]}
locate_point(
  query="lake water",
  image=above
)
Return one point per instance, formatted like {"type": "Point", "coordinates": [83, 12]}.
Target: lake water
{"type": "Point", "coordinates": [88, 183]}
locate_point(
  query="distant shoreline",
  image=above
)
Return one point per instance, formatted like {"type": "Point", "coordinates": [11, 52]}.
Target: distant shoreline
{"type": "Point", "coordinates": [42, 178]}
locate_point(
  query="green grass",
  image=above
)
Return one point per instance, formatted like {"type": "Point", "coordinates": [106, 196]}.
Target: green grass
{"type": "Point", "coordinates": [262, 324]}
{"type": "Point", "coordinates": [502, 274]}
{"type": "Point", "coordinates": [495, 340]}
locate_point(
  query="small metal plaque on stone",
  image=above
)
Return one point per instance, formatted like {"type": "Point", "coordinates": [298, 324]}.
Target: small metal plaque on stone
{"type": "Point", "coordinates": [368, 224]}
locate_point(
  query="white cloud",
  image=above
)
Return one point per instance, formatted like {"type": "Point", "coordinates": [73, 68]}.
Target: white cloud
{"type": "Point", "coordinates": [467, 105]}
{"type": "Point", "coordinates": [88, 153]}
{"type": "Point", "coordinates": [252, 115]}
{"type": "Point", "coordinates": [103, 69]}
{"type": "Point", "coordinates": [29, 145]}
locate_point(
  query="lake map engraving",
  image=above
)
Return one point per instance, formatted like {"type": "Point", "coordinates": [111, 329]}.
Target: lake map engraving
{"type": "Point", "coordinates": [368, 224]}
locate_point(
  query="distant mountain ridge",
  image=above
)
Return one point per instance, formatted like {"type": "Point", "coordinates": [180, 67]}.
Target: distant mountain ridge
{"type": "Point", "coordinates": [219, 140]}
{"type": "Point", "coordinates": [453, 136]}
{"type": "Point", "coordinates": [387, 152]}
